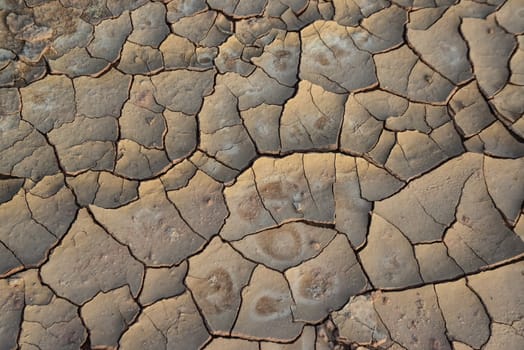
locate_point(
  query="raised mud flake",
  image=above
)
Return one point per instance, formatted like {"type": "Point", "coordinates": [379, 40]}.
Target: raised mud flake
{"type": "Point", "coordinates": [382, 30]}
{"type": "Point", "coordinates": [208, 29]}
{"type": "Point", "coordinates": [52, 204]}
{"type": "Point", "coordinates": [168, 324]}
{"type": "Point", "coordinates": [319, 170]}
{"type": "Point", "coordinates": [266, 307]}
{"type": "Point", "coordinates": [89, 261]}
{"type": "Point", "coordinates": [137, 162]}
{"type": "Point", "coordinates": [420, 117]}
{"type": "Point", "coordinates": [460, 306]}
{"type": "Point", "coordinates": [140, 59]}
{"type": "Point", "coordinates": [415, 153]}
{"type": "Point", "coordinates": [162, 283]}
{"type": "Point", "coordinates": [497, 141]}
{"type": "Point", "coordinates": [151, 227]}
{"type": "Point", "coordinates": [102, 189]}
{"type": "Point", "coordinates": [149, 26]}
{"type": "Point", "coordinates": [312, 11]}
{"type": "Point", "coordinates": [11, 308]}
{"type": "Point", "coordinates": [331, 60]}
{"type": "Point", "coordinates": [481, 227]}
{"type": "Point", "coordinates": [258, 31]}
{"type": "Point", "coordinates": [179, 52]}
{"type": "Point", "coordinates": [114, 191]}
{"type": "Point", "coordinates": [508, 102]}
{"type": "Point", "coordinates": [231, 146]}
{"type": "Point", "coordinates": [26, 240]}
{"type": "Point", "coordinates": [394, 67]}
{"type": "Point", "coordinates": [326, 282]}
{"type": "Point", "coordinates": [428, 85]}
{"type": "Point", "coordinates": [109, 37]}
{"type": "Point", "coordinates": [429, 202]}
{"type": "Point", "coordinates": [280, 58]}
{"type": "Point", "coordinates": [442, 46]}
{"type": "Point", "coordinates": [142, 94]}
{"type": "Point", "coordinates": [216, 287]}
{"type": "Point", "coordinates": [435, 262]}
{"type": "Point", "coordinates": [108, 315]}
{"type": "Point", "coordinates": [78, 62]}
{"type": "Point", "coordinates": [413, 318]}
{"type": "Point", "coordinates": [181, 137]}
{"type": "Point", "coordinates": [247, 211]}
{"type": "Point", "coordinates": [142, 126]}
{"type": "Point", "coordinates": [424, 18]}
{"type": "Point", "coordinates": [230, 58]}
{"type": "Point", "coordinates": [9, 186]}
{"type": "Point", "coordinates": [360, 130]}
{"type": "Point", "coordinates": [505, 184]}
{"type": "Point", "coordinates": [376, 183]}
{"type": "Point", "coordinates": [351, 210]}
{"type": "Point", "coordinates": [183, 90]}
{"type": "Point", "coordinates": [201, 204]}
{"type": "Point", "coordinates": [103, 96]}
{"type": "Point", "coordinates": [401, 72]}
{"type": "Point", "coordinates": [500, 290]}
{"type": "Point", "coordinates": [256, 89]}
{"type": "Point", "coordinates": [350, 12]}
{"type": "Point", "coordinates": [359, 322]}
{"type": "Point", "coordinates": [24, 151]}
{"type": "Point", "coordinates": [262, 124]}
{"type": "Point", "coordinates": [484, 37]}
{"type": "Point", "coordinates": [472, 113]}
{"type": "Point", "coordinates": [386, 267]}
{"type": "Point", "coordinates": [55, 325]}
{"type": "Point", "coordinates": [459, 249]}
{"type": "Point", "coordinates": [9, 263]}
{"type": "Point", "coordinates": [48, 103]}
{"type": "Point", "coordinates": [219, 110]}
{"type": "Point", "coordinates": [382, 105]}
{"type": "Point", "coordinates": [178, 176]}
{"type": "Point", "coordinates": [86, 143]}
{"type": "Point", "coordinates": [286, 190]}
{"type": "Point", "coordinates": [212, 167]}
{"type": "Point", "coordinates": [311, 119]}
{"type": "Point", "coordinates": [285, 246]}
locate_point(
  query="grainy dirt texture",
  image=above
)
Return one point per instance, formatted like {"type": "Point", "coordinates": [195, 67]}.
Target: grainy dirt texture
{"type": "Point", "coordinates": [262, 174]}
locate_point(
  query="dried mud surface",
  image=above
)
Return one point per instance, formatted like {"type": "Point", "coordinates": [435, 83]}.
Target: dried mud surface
{"type": "Point", "coordinates": [262, 174]}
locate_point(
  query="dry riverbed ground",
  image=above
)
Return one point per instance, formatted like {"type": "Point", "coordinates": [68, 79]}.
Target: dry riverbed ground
{"type": "Point", "coordinates": [261, 174]}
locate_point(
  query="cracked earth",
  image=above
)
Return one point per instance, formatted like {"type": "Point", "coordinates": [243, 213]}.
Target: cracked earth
{"type": "Point", "coordinates": [262, 174]}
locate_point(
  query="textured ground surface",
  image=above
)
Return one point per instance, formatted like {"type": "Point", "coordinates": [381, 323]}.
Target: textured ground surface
{"type": "Point", "coordinates": [261, 174]}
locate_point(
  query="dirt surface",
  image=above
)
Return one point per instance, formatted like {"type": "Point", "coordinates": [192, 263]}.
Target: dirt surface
{"type": "Point", "coordinates": [261, 174]}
